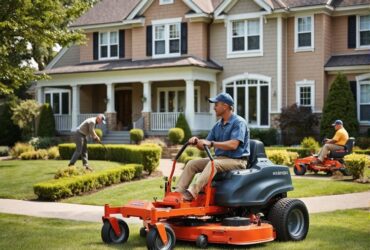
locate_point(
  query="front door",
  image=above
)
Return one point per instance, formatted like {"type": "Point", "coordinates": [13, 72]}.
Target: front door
{"type": "Point", "coordinates": [124, 109]}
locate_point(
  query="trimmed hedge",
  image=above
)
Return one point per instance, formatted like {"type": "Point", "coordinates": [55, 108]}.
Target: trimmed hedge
{"type": "Point", "coordinates": [356, 164]}
{"type": "Point", "coordinates": [147, 154]}
{"type": "Point", "coordinates": [66, 187]}
{"type": "Point", "coordinates": [302, 152]}
{"type": "Point", "coordinates": [362, 151]}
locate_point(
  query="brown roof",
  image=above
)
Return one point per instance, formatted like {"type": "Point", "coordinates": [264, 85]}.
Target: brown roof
{"type": "Point", "coordinates": [128, 64]}
{"type": "Point", "coordinates": [348, 60]}
{"type": "Point", "coordinates": [345, 3]}
{"type": "Point", "coordinates": [106, 11]}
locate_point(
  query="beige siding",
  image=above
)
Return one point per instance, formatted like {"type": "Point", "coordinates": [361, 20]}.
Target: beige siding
{"type": "Point", "coordinates": [245, 6]}
{"type": "Point", "coordinates": [86, 50]}
{"type": "Point", "coordinates": [70, 57]}
{"type": "Point", "coordinates": [128, 44]}
{"type": "Point", "coordinates": [198, 40]}
{"type": "Point", "coordinates": [138, 43]}
{"type": "Point", "coordinates": [92, 98]}
{"type": "Point", "coordinates": [264, 65]}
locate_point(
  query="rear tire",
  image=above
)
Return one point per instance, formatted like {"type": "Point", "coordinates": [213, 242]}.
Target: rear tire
{"type": "Point", "coordinates": [154, 242]}
{"type": "Point", "coordinates": [109, 236]}
{"type": "Point", "coordinates": [201, 241]}
{"type": "Point", "coordinates": [300, 172]}
{"type": "Point", "coordinates": [290, 219]}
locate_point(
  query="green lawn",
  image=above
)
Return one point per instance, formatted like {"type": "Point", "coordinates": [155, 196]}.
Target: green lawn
{"type": "Point", "coordinates": [17, 176]}
{"type": "Point", "coordinates": [346, 229]}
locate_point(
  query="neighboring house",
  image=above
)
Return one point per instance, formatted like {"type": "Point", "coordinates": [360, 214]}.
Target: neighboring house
{"type": "Point", "coordinates": [146, 61]}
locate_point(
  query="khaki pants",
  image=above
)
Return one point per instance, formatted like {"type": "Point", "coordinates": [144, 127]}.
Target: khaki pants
{"type": "Point", "coordinates": [326, 149]}
{"type": "Point", "coordinates": [221, 163]}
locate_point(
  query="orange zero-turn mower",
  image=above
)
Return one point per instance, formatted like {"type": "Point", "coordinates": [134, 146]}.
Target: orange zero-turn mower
{"type": "Point", "coordinates": [333, 162]}
{"type": "Point", "coordinates": [238, 207]}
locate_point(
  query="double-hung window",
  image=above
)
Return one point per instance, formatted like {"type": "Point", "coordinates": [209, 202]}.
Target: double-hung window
{"type": "Point", "coordinates": [364, 31]}
{"type": "Point", "coordinates": [173, 99]}
{"type": "Point", "coordinates": [59, 101]}
{"type": "Point", "coordinates": [304, 33]}
{"type": "Point", "coordinates": [245, 38]}
{"type": "Point", "coordinates": [108, 45]}
{"type": "Point", "coordinates": [167, 38]}
{"type": "Point", "coordinates": [162, 2]}
{"type": "Point", "coordinates": [305, 93]}
{"type": "Point", "coordinates": [364, 101]}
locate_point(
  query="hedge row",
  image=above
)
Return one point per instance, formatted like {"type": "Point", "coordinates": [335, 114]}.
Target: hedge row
{"type": "Point", "coordinates": [362, 151]}
{"type": "Point", "coordinates": [147, 154]}
{"type": "Point", "coordinates": [302, 152]}
{"type": "Point", "coordinates": [66, 187]}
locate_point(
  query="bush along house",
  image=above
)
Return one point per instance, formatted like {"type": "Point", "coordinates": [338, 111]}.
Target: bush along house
{"type": "Point", "coordinates": [146, 61]}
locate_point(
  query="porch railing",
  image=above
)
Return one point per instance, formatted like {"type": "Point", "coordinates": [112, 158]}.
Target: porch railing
{"type": "Point", "coordinates": [163, 121]}
{"type": "Point", "coordinates": [203, 121]}
{"type": "Point", "coordinates": [63, 122]}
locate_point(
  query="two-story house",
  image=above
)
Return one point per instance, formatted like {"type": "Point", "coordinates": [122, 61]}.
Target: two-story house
{"type": "Point", "coordinates": [146, 61]}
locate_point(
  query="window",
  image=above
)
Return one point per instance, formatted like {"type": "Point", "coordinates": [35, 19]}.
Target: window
{"type": "Point", "coordinates": [59, 101]}
{"type": "Point", "coordinates": [108, 45]}
{"type": "Point", "coordinates": [166, 37]}
{"type": "Point", "coordinates": [304, 33]}
{"type": "Point", "coordinates": [251, 97]}
{"type": "Point", "coordinates": [162, 2]}
{"type": "Point", "coordinates": [245, 38]}
{"type": "Point", "coordinates": [173, 99]}
{"type": "Point", "coordinates": [364, 31]}
{"type": "Point", "coordinates": [305, 93]}
{"type": "Point", "coordinates": [364, 101]}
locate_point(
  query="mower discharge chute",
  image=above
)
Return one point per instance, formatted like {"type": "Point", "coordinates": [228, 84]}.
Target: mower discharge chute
{"type": "Point", "coordinates": [238, 207]}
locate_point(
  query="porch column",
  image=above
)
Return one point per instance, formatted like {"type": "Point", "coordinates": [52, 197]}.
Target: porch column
{"type": "Point", "coordinates": [212, 93]}
{"type": "Point", "coordinates": [147, 104]}
{"type": "Point", "coordinates": [110, 98]}
{"type": "Point", "coordinates": [75, 106]}
{"type": "Point", "coordinates": [189, 108]}
{"type": "Point", "coordinates": [40, 95]}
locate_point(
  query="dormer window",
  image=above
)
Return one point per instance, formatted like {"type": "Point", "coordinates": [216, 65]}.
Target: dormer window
{"type": "Point", "coordinates": [162, 2]}
{"type": "Point", "coordinates": [108, 45]}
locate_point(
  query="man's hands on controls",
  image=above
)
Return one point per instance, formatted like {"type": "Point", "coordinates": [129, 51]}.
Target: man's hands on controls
{"type": "Point", "coordinates": [199, 142]}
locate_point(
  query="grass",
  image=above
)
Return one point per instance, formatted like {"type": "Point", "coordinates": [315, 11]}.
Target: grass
{"type": "Point", "coordinates": [343, 229]}
{"type": "Point", "coordinates": [17, 176]}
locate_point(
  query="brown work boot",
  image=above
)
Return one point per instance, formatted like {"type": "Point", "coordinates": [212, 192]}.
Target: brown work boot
{"type": "Point", "coordinates": [187, 196]}
{"type": "Point", "coordinates": [88, 168]}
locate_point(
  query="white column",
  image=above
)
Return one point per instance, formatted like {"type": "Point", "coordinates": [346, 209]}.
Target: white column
{"type": "Point", "coordinates": [279, 63]}
{"type": "Point", "coordinates": [212, 93]}
{"type": "Point", "coordinates": [189, 108]}
{"type": "Point", "coordinates": [40, 95]}
{"type": "Point", "coordinates": [110, 98]}
{"type": "Point", "coordinates": [75, 106]}
{"type": "Point", "coordinates": [147, 97]}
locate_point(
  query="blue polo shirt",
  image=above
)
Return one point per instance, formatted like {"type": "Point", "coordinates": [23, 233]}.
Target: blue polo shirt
{"type": "Point", "coordinates": [234, 129]}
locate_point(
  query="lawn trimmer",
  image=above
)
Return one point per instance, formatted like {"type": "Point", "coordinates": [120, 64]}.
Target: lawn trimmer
{"type": "Point", "coordinates": [238, 207]}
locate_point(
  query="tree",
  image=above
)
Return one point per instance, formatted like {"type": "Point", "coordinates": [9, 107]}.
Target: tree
{"type": "Point", "coordinates": [47, 122]}
{"type": "Point", "coordinates": [182, 123]}
{"type": "Point", "coordinates": [339, 104]}
{"type": "Point", "coordinates": [24, 115]}
{"type": "Point", "coordinates": [29, 30]}
{"type": "Point", "coordinates": [9, 132]}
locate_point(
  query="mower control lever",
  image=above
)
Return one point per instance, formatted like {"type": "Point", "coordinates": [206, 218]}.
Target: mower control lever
{"type": "Point", "coordinates": [181, 150]}
{"type": "Point", "coordinates": [208, 152]}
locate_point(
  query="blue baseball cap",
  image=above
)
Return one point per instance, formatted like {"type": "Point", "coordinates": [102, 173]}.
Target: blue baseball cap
{"type": "Point", "coordinates": [222, 97]}
{"type": "Point", "coordinates": [337, 122]}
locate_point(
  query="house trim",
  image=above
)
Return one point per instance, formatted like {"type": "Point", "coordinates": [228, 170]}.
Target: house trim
{"type": "Point", "coordinates": [359, 79]}
{"type": "Point", "coordinates": [348, 69]}
{"type": "Point", "coordinates": [228, 4]}
{"type": "Point", "coordinates": [305, 83]}
{"type": "Point", "coordinates": [358, 46]}
{"type": "Point", "coordinates": [307, 48]}
{"type": "Point", "coordinates": [57, 58]}
{"type": "Point", "coordinates": [279, 64]}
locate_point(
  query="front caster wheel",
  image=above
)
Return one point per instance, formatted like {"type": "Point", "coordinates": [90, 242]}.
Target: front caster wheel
{"type": "Point", "coordinates": [301, 170]}
{"type": "Point", "coordinates": [109, 236]}
{"type": "Point", "coordinates": [201, 241]}
{"type": "Point", "coordinates": [154, 242]}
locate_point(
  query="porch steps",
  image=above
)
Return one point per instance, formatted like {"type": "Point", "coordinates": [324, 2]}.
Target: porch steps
{"type": "Point", "coordinates": [116, 137]}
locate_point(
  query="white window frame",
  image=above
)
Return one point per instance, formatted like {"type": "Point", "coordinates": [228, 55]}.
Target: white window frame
{"type": "Point", "coordinates": [58, 91]}
{"type": "Point", "coordinates": [245, 77]}
{"type": "Point", "coordinates": [311, 85]}
{"type": "Point", "coordinates": [163, 2]}
{"type": "Point", "coordinates": [361, 80]}
{"type": "Point", "coordinates": [358, 45]}
{"type": "Point", "coordinates": [109, 44]}
{"type": "Point", "coordinates": [245, 52]}
{"type": "Point", "coordinates": [176, 89]}
{"type": "Point", "coordinates": [166, 23]}
{"type": "Point", "coordinates": [306, 48]}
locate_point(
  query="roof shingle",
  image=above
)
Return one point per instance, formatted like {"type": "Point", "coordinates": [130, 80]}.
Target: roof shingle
{"type": "Point", "coordinates": [348, 60]}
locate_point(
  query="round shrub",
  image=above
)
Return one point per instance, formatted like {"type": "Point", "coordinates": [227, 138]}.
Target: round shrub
{"type": "Point", "coordinates": [99, 133]}
{"type": "Point", "coordinates": [311, 144]}
{"type": "Point", "coordinates": [20, 148]}
{"type": "Point", "coordinates": [356, 164]}
{"type": "Point", "coordinates": [136, 135]}
{"type": "Point", "coordinates": [47, 122]}
{"type": "Point", "coordinates": [176, 135]}
{"type": "Point", "coordinates": [279, 157]}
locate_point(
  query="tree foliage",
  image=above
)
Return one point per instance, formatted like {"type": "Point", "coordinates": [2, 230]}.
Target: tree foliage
{"type": "Point", "coordinates": [24, 115]}
{"type": "Point", "coordinates": [9, 132]}
{"type": "Point", "coordinates": [29, 30]}
{"type": "Point", "coordinates": [46, 126]}
{"type": "Point", "coordinates": [339, 104]}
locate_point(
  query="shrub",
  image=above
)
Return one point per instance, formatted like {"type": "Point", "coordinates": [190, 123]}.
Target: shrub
{"type": "Point", "coordinates": [203, 134]}
{"type": "Point", "coordinates": [9, 132]}
{"type": "Point", "coordinates": [66, 187]}
{"type": "Point", "coordinates": [20, 148]}
{"type": "Point", "coordinates": [296, 122]}
{"type": "Point", "coordinates": [43, 142]}
{"type": "Point", "coordinates": [311, 144]}
{"type": "Point", "coordinates": [148, 154]}
{"type": "Point", "coordinates": [99, 133]}
{"type": "Point", "coordinates": [53, 153]}
{"type": "Point", "coordinates": [339, 104]}
{"type": "Point", "coordinates": [46, 126]}
{"type": "Point", "coordinates": [4, 151]}
{"type": "Point", "coordinates": [192, 153]}
{"type": "Point", "coordinates": [69, 172]}
{"type": "Point", "coordinates": [154, 140]}
{"type": "Point", "coordinates": [136, 135]}
{"type": "Point", "coordinates": [363, 142]}
{"type": "Point", "coordinates": [356, 164]}
{"type": "Point", "coordinates": [24, 115]}
{"type": "Point", "coordinates": [267, 136]}
{"type": "Point", "coordinates": [362, 151]}
{"type": "Point", "coordinates": [183, 124]}
{"type": "Point", "coordinates": [35, 155]}
{"type": "Point", "coordinates": [176, 135]}
{"type": "Point", "coordinates": [281, 157]}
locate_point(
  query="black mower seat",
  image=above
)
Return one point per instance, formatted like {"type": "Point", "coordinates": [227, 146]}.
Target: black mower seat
{"type": "Point", "coordinates": [347, 149]}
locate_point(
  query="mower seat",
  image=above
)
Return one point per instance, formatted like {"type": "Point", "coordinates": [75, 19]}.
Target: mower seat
{"type": "Point", "coordinates": [347, 149]}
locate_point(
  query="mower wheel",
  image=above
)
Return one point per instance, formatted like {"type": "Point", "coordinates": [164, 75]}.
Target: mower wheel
{"type": "Point", "coordinates": [345, 171]}
{"type": "Point", "coordinates": [109, 236]}
{"type": "Point", "coordinates": [302, 171]}
{"type": "Point", "coordinates": [154, 242]}
{"type": "Point", "coordinates": [201, 241]}
{"type": "Point", "coordinates": [290, 219]}
{"type": "Point", "coordinates": [143, 232]}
